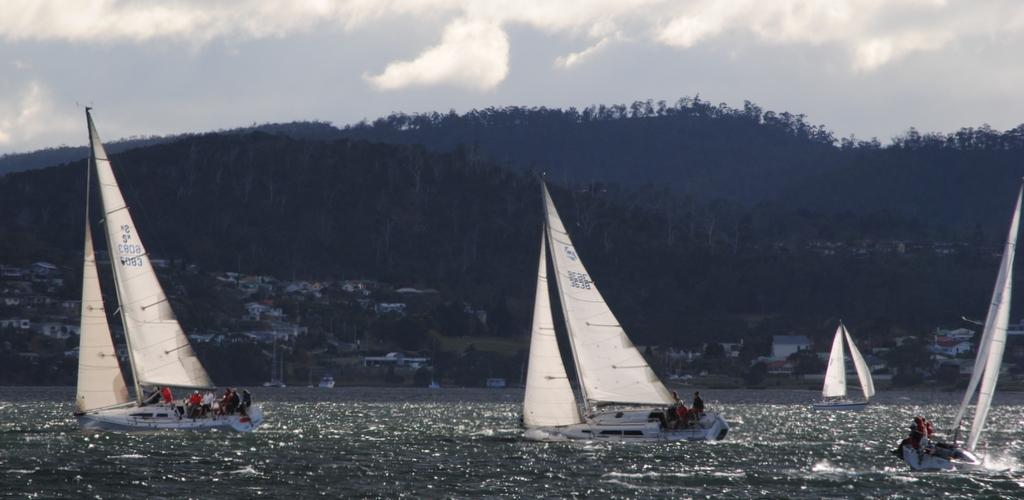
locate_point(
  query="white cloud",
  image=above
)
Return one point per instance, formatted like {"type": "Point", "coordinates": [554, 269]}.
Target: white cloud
{"type": "Point", "coordinates": [876, 52]}
{"type": "Point", "coordinates": [26, 113]}
{"type": "Point", "coordinates": [472, 54]}
{"type": "Point", "coordinates": [574, 58]}
{"type": "Point", "coordinates": [872, 32]}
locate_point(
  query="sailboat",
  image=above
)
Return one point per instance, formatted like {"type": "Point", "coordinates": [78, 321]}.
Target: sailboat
{"type": "Point", "coordinates": [833, 391]}
{"type": "Point", "coordinates": [158, 350]}
{"type": "Point", "coordinates": [987, 364]}
{"type": "Point", "coordinates": [622, 399]}
{"type": "Point", "coordinates": [326, 382]}
{"type": "Point", "coordinates": [276, 369]}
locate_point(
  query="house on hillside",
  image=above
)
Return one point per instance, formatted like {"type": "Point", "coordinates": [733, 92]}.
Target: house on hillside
{"type": "Point", "coordinates": [43, 269]}
{"type": "Point", "coordinates": [950, 346]}
{"type": "Point", "coordinates": [395, 308]}
{"type": "Point", "coordinates": [15, 324]}
{"type": "Point", "coordinates": [58, 330]}
{"type": "Point", "coordinates": [781, 367]}
{"type": "Point", "coordinates": [783, 346]}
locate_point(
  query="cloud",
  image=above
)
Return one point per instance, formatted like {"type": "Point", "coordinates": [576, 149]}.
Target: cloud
{"type": "Point", "coordinates": [473, 51]}
{"type": "Point", "coordinates": [26, 113]}
{"type": "Point", "coordinates": [574, 58]}
{"type": "Point", "coordinates": [876, 52]}
{"type": "Point", "coordinates": [472, 54]}
{"type": "Point", "coordinates": [875, 32]}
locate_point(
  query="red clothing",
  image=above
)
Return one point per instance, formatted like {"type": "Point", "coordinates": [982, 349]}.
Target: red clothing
{"type": "Point", "coordinates": [681, 412]}
{"type": "Point", "coordinates": [195, 399]}
{"type": "Point", "coordinates": [166, 393]}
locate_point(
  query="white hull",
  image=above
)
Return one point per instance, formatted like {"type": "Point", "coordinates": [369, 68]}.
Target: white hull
{"type": "Point", "coordinates": [840, 406]}
{"type": "Point", "coordinates": [953, 459]}
{"type": "Point", "coordinates": [633, 426]}
{"type": "Point", "coordinates": [163, 417]}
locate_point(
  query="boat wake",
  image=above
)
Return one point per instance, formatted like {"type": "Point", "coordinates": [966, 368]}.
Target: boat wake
{"type": "Point", "coordinates": [542, 435]}
{"type": "Point", "coordinates": [1000, 462]}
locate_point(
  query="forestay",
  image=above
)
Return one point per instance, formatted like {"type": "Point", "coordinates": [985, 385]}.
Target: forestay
{"type": "Point", "coordinates": [835, 375]}
{"type": "Point", "coordinates": [993, 339]}
{"type": "Point", "coordinates": [867, 384]}
{"type": "Point", "coordinates": [610, 368]}
{"type": "Point", "coordinates": [159, 350]}
{"type": "Point", "coordinates": [549, 400]}
{"type": "Point", "coordinates": [100, 382]}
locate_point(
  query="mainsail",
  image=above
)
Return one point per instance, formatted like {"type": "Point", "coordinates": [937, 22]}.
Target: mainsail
{"type": "Point", "coordinates": [549, 400]}
{"type": "Point", "coordinates": [993, 339]}
{"type": "Point", "coordinates": [100, 382]}
{"type": "Point", "coordinates": [158, 348]}
{"type": "Point", "coordinates": [867, 385]}
{"type": "Point", "coordinates": [608, 365]}
{"type": "Point", "coordinates": [835, 375]}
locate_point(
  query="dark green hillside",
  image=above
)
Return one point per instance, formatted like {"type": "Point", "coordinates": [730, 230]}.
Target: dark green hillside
{"type": "Point", "coordinates": [676, 269]}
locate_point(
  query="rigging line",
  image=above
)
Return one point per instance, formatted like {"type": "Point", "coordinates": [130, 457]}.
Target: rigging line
{"type": "Point", "coordinates": [176, 349]}
{"type": "Point", "coordinates": [155, 303]}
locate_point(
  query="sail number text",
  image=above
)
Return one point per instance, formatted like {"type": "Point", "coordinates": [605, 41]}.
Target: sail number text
{"type": "Point", "coordinates": [131, 253]}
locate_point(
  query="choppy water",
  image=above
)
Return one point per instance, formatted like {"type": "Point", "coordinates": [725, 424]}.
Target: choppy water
{"type": "Point", "coordinates": [465, 443]}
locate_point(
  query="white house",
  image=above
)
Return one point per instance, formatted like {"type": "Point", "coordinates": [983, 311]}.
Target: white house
{"type": "Point", "coordinates": [43, 269]}
{"type": "Point", "coordinates": [16, 323]}
{"type": "Point", "coordinates": [58, 330]}
{"type": "Point", "coordinates": [950, 346]}
{"type": "Point", "coordinates": [398, 308]}
{"type": "Point", "coordinates": [257, 311]}
{"type": "Point", "coordinates": [785, 345]}
{"type": "Point", "coordinates": [958, 333]}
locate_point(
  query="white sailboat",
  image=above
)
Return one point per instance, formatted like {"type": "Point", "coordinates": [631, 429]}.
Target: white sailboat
{"type": "Point", "coordinates": [987, 363]}
{"type": "Point", "coordinates": [326, 382]}
{"type": "Point", "coordinates": [158, 350]}
{"type": "Point", "coordinates": [833, 391]}
{"type": "Point", "coordinates": [276, 369]}
{"type": "Point", "coordinates": [622, 398]}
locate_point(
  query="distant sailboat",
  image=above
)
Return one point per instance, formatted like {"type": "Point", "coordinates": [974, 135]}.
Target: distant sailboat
{"type": "Point", "coordinates": [834, 390]}
{"type": "Point", "coordinates": [987, 364]}
{"type": "Point", "coordinates": [622, 397]}
{"type": "Point", "coordinates": [276, 369]}
{"type": "Point", "coordinates": [158, 350]}
{"type": "Point", "coordinates": [326, 382]}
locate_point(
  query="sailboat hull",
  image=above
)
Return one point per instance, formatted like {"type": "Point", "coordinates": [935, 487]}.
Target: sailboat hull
{"type": "Point", "coordinates": [633, 426]}
{"type": "Point", "coordinates": [840, 406]}
{"type": "Point", "coordinates": [163, 418]}
{"type": "Point", "coordinates": [954, 459]}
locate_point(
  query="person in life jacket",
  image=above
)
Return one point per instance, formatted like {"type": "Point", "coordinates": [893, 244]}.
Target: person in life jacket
{"type": "Point", "coordinates": [166, 394]}
{"type": "Point", "coordinates": [681, 415]}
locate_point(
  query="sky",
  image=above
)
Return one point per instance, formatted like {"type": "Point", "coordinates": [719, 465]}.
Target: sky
{"type": "Point", "coordinates": [867, 67]}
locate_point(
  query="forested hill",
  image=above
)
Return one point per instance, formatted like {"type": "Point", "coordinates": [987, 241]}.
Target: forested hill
{"type": "Point", "coordinates": [17, 162]}
{"type": "Point", "coordinates": [746, 154]}
{"type": "Point", "coordinates": [676, 269]}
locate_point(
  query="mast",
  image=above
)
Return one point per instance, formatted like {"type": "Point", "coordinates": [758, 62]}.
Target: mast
{"type": "Point", "coordinates": [113, 267]}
